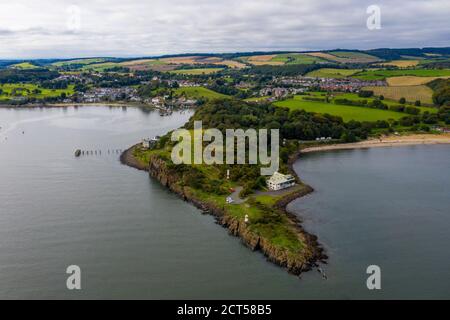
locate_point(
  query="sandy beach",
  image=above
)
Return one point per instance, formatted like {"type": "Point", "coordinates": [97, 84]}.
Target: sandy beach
{"type": "Point", "coordinates": [390, 141]}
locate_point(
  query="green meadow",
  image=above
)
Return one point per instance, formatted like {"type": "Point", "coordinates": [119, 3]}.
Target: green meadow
{"type": "Point", "coordinates": [24, 66]}
{"type": "Point", "coordinates": [346, 112]}
{"type": "Point", "coordinates": [28, 90]}
{"type": "Point", "coordinates": [383, 74]}
{"type": "Point", "coordinates": [355, 97]}
{"type": "Point", "coordinates": [78, 61]}
{"type": "Point", "coordinates": [99, 67]}
{"type": "Point", "coordinates": [332, 73]}
{"type": "Point", "coordinates": [296, 58]}
{"type": "Point", "coordinates": [199, 92]}
{"type": "Point", "coordinates": [198, 71]}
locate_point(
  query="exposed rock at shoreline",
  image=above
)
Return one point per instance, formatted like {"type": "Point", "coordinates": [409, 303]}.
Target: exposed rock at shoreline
{"type": "Point", "coordinates": [295, 263]}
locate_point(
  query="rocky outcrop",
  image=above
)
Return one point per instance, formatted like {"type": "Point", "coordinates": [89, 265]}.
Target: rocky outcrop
{"type": "Point", "coordinates": [295, 263]}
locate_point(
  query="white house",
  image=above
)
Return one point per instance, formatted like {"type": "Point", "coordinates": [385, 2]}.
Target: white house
{"type": "Point", "coordinates": [280, 181]}
{"type": "Point", "coordinates": [146, 143]}
{"type": "Point", "coordinates": [150, 143]}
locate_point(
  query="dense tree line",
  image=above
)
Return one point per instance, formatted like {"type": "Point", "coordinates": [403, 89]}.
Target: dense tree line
{"type": "Point", "coordinates": [30, 75]}
{"type": "Point", "coordinates": [298, 124]}
{"type": "Point", "coordinates": [441, 88]}
{"type": "Point", "coordinates": [286, 70]}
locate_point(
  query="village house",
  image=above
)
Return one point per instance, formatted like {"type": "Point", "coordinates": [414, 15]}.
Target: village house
{"type": "Point", "coordinates": [150, 143]}
{"type": "Point", "coordinates": [280, 181]}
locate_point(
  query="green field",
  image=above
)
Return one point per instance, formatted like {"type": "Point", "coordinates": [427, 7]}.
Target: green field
{"type": "Point", "coordinates": [24, 66]}
{"type": "Point", "coordinates": [383, 74]}
{"type": "Point", "coordinates": [346, 112]}
{"type": "Point", "coordinates": [257, 99]}
{"type": "Point", "coordinates": [332, 73]}
{"type": "Point", "coordinates": [26, 90]}
{"type": "Point", "coordinates": [195, 72]}
{"type": "Point", "coordinates": [356, 56]}
{"type": "Point", "coordinates": [410, 93]}
{"type": "Point", "coordinates": [100, 67]}
{"type": "Point", "coordinates": [79, 61]}
{"type": "Point", "coordinates": [200, 92]}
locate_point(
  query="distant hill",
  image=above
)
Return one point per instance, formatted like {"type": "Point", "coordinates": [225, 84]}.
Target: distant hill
{"type": "Point", "coordinates": [433, 56]}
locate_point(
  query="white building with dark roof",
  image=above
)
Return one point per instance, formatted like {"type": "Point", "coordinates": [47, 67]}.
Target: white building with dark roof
{"type": "Point", "coordinates": [280, 181]}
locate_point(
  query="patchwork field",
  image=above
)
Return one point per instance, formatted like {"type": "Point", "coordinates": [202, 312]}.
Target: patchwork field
{"type": "Point", "coordinates": [383, 74]}
{"type": "Point", "coordinates": [263, 60]}
{"type": "Point", "coordinates": [144, 64]}
{"type": "Point", "coordinates": [387, 101]}
{"type": "Point", "coordinates": [16, 90]}
{"type": "Point", "coordinates": [198, 71]}
{"type": "Point", "coordinates": [232, 64]}
{"type": "Point", "coordinates": [401, 63]}
{"type": "Point", "coordinates": [24, 66]}
{"type": "Point", "coordinates": [79, 61]}
{"type": "Point", "coordinates": [99, 67]}
{"type": "Point", "coordinates": [199, 92]}
{"type": "Point", "coordinates": [410, 93]}
{"type": "Point", "coordinates": [257, 99]}
{"type": "Point", "coordinates": [411, 80]}
{"type": "Point", "coordinates": [346, 112]}
{"type": "Point", "coordinates": [332, 73]}
{"type": "Point", "coordinates": [345, 57]}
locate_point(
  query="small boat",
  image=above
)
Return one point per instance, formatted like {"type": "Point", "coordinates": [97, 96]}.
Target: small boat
{"type": "Point", "coordinates": [78, 153]}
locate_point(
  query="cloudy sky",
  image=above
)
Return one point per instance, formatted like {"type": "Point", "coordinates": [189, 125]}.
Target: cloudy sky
{"type": "Point", "coordinates": [126, 28]}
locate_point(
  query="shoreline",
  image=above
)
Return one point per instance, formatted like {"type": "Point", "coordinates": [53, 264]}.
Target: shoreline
{"type": "Point", "coordinates": [304, 261]}
{"type": "Point", "coordinates": [385, 142]}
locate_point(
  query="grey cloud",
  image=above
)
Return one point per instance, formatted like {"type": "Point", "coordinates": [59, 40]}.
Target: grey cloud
{"type": "Point", "coordinates": [139, 28]}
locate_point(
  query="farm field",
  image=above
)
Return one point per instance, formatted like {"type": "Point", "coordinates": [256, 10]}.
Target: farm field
{"type": "Point", "coordinates": [297, 58]}
{"type": "Point", "coordinates": [24, 66]}
{"type": "Point", "coordinates": [26, 90]}
{"type": "Point", "coordinates": [200, 92]}
{"type": "Point", "coordinates": [142, 64]}
{"type": "Point", "coordinates": [79, 61]}
{"type": "Point", "coordinates": [383, 74]}
{"type": "Point", "coordinates": [194, 60]}
{"type": "Point", "coordinates": [346, 112]}
{"type": "Point", "coordinates": [401, 63]}
{"type": "Point", "coordinates": [99, 67]}
{"type": "Point", "coordinates": [410, 93]}
{"type": "Point", "coordinates": [256, 99]}
{"type": "Point", "coordinates": [263, 60]}
{"type": "Point", "coordinates": [232, 64]}
{"type": "Point", "coordinates": [411, 80]}
{"type": "Point", "coordinates": [345, 56]}
{"type": "Point", "coordinates": [198, 71]}
{"type": "Point", "coordinates": [387, 101]}
{"type": "Point", "coordinates": [332, 73]}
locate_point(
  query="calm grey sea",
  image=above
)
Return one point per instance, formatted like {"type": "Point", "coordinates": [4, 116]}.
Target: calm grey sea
{"type": "Point", "coordinates": [134, 239]}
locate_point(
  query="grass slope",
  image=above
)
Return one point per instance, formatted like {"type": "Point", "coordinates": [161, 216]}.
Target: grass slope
{"type": "Point", "coordinates": [26, 90]}
{"type": "Point", "coordinates": [332, 73]}
{"type": "Point", "coordinates": [198, 71]}
{"type": "Point", "coordinates": [410, 93]}
{"type": "Point", "coordinates": [383, 74]}
{"type": "Point", "coordinates": [199, 92]}
{"type": "Point", "coordinates": [346, 112]}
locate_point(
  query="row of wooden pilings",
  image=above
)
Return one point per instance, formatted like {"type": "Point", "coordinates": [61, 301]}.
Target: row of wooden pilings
{"type": "Point", "coordinates": [80, 152]}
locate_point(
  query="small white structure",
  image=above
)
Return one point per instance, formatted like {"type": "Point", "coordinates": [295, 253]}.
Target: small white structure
{"type": "Point", "coordinates": [146, 143]}
{"type": "Point", "coordinates": [280, 181]}
{"type": "Point", "coordinates": [230, 200]}
{"type": "Point", "coordinates": [150, 143]}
